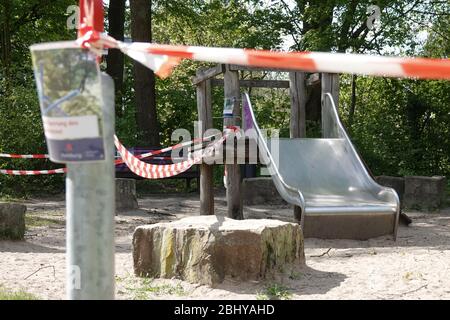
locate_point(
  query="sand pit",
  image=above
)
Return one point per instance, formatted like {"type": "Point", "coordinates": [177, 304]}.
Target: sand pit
{"type": "Point", "coordinates": [417, 266]}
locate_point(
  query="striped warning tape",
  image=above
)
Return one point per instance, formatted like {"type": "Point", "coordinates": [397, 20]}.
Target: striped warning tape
{"type": "Point", "coordinates": [151, 171]}
{"type": "Point", "coordinates": [162, 58]}
{"type": "Point", "coordinates": [174, 147]}
{"type": "Point", "coordinates": [32, 172]}
{"type": "Point", "coordinates": [133, 162]}
{"type": "Point", "coordinates": [144, 155]}
{"type": "Point", "coordinates": [29, 172]}
{"type": "Point", "coordinates": [24, 156]}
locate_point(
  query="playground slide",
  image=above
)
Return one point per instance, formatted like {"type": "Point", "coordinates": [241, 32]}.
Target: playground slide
{"type": "Point", "coordinates": [326, 178]}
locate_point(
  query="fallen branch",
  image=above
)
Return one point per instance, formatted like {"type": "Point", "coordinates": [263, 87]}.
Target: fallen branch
{"type": "Point", "coordinates": [321, 255]}
{"type": "Point", "coordinates": [41, 268]}
{"type": "Point", "coordinates": [407, 292]}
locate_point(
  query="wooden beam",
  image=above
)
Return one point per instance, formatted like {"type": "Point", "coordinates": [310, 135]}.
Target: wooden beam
{"type": "Point", "coordinates": [235, 67]}
{"type": "Point", "coordinates": [256, 83]}
{"type": "Point", "coordinates": [233, 180]}
{"type": "Point", "coordinates": [203, 75]}
{"type": "Point", "coordinates": [204, 108]}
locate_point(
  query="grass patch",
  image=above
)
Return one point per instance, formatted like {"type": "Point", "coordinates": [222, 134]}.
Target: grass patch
{"type": "Point", "coordinates": [38, 221]}
{"type": "Point", "coordinates": [275, 291]}
{"type": "Point", "coordinates": [147, 288]}
{"type": "Point", "coordinates": [9, 198]}
{"type": "Point", "coordinates": [16, 295]}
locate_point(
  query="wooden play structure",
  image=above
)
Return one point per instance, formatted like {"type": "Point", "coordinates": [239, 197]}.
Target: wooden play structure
{"type": "Point", "coordinates": [206, 79]}
{"type": "Point", "coordinates": [333, 192]}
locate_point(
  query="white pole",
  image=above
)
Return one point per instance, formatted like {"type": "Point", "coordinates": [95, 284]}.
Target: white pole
{"type": "Point", "coordinates": [90, 202]}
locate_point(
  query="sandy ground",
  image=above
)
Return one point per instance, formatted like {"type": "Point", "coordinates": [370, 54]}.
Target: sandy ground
{"type": "Point", "coordinates": [416, 266]}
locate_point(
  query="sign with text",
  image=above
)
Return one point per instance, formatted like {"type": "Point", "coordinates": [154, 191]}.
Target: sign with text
{"type": "Point", "coordinates": [69, 88]}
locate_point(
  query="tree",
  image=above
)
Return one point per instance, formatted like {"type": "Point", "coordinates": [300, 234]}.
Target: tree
{"type": "Point", "coordinates": [23, 23]}
{"type": "Point", "coordinates": [5, 36]}
{"type": "Point", "coordinates": [144, 79]}
{"type": "Point", "coordinates": [115, 59]}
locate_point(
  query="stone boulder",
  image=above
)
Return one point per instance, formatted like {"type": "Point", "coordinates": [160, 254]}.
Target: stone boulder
{"type": "Point", "coordinates": [12, 221]}
{"type": "Point", "coordinates": [424, 192]}
{"type": "Point", "coordinates": [126, 198]}
{"type": "Point", "coordinates": [206, 249]}
{"type": "Point", "coordinates": [260, 190]}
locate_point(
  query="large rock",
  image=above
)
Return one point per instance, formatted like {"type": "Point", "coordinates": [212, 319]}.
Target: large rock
{"type": "Point", "coordinates": [396, 183]}
{"type": "Point", "coordinates": [260, 190]}
{"type": "Point", "coordinates": [424, 192]}
{"type": "Point", "coordinates": [206, 249]}
{"type": "Point", "coordinates": [12, 221]}
{"type": "Point", "coordinates": [126, 198]}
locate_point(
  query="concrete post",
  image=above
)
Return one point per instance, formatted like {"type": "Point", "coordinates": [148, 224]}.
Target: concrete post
{"type": "Point", "coordinates": [90, 202]}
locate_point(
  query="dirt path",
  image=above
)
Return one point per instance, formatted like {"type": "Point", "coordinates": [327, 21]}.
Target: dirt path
{"type": "Point", "coordinates": [417, 266]}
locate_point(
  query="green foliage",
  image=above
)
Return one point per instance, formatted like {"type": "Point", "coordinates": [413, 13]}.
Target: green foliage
{"type": "Point", "coordinates": [275, 291]}
{"type": "Point", "coordinates": [21, 132]}
{"type": "Point", "coordinates": [21, 129]}
{"type": "Point", "coordinates": [145, 289]}
{"type": "Point", "coordinates": [400, 126]}
{"type": "Point", "coordinates": [340, 25]}
{"type": "Point", "coordinates": [206, 24]}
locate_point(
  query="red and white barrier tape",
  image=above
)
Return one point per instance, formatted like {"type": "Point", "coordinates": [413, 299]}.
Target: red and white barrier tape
{"type": "Point", "coordinates": [24, 156]}
{"type": "Point", "coordinates": [29, 172]}
{"type": "Point", "coordinates": [162, 58]}
{"type": "Point", "coordinates": [151, 171]}
{"type": "Point", "coordinates": [32, 172]}
{"type": "Point", "coordinates": [156, 152]}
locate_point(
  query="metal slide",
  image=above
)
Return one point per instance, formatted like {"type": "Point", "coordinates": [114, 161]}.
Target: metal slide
{"type": "Point", "coordinates": [324, 176]}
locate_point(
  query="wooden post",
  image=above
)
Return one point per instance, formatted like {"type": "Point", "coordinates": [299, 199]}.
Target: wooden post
{"type": "Point", "coordinates": [330, 83]}
{"type": "Point", "coordinates": [335, 89]}
{"type": "Point", "coordinates": [297, 89]}
{"type": "Point", "coordinates": [204, 109]}
{"type": "Point", "coordinates": [232, 93]}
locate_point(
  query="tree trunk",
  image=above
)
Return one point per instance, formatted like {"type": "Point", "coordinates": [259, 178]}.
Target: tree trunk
{"type": "Point", "coordinates": [5, 38]}
{"type": "Point", "coordinates": [144, 79]}
{"type": "Point", "coordinates": [115, 59]}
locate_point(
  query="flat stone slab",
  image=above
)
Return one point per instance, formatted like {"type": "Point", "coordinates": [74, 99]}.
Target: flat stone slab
{"type": "Point", "coordinates": [206, 249]}
{"type": "Point", "coordinates": [12, 221]}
